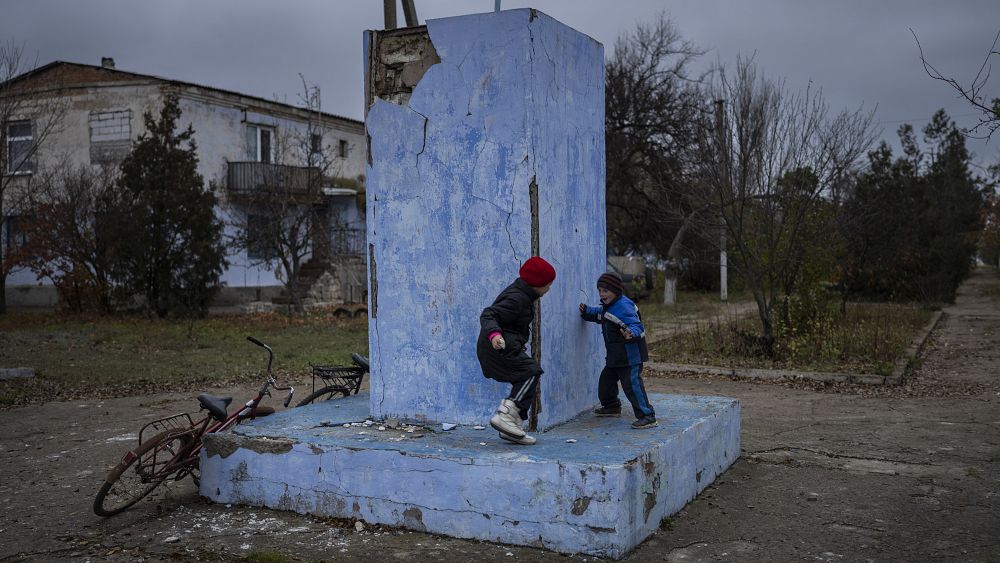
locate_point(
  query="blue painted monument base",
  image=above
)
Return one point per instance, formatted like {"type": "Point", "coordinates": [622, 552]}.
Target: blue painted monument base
{"type": "Point", "coordinates": [593, 485]}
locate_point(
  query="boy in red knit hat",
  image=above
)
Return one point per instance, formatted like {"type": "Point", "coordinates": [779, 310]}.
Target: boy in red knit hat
{"type": "Point", "coordinates": [505, 328]}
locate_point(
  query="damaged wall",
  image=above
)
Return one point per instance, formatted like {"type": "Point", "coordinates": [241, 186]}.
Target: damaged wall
{"type": "Point", "coordinates": [516, 100]}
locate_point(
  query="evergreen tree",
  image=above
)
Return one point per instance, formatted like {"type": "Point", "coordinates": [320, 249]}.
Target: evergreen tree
{"type": "Point", "coordinates": [159, 222]}
{"type": "Point", "coordinates": [911, 224]}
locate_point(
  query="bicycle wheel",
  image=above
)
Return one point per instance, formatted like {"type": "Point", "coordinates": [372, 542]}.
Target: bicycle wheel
{"type": "Point", "coordinates": [140, 472]}
{"type": "Point", "coordinates": [324, 394]}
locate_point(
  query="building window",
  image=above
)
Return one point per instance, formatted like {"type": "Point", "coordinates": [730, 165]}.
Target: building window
{"type": "Point", "coordinates": [19, 148]}
{"type": "Point", "coordinates": [316, 143]}
{"type": "Point", "coordinates": [15, 231]}
{"type": "Point", "coordinates": [110, 126]}
{"type": "Point", "coordinates": [260, 143]}
{"type": "Point", "coordinates": [342, 149]}
{"type": "Point", "coordinates": [261, 236]}
{"type": "Point", "coordinates": [110, 136]}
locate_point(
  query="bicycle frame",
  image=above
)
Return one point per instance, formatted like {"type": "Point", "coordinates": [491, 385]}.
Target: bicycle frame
{"type": "Point", "coordinates": [187, 458]}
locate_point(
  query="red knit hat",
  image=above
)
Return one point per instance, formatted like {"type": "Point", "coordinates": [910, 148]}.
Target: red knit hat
{"type": "Point", "coordinates": [537, 272]}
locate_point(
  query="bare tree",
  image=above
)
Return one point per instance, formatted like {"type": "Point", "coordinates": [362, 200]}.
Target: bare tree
{"type": "Point", "coordinates": [652, 104]}
{"type": "Point", "coordinates": [973, 93]}
{"type": "Point", "coordinates": [769, 159]}
{"type": "Point", "coordinates": [29, 115]}
{"type": "Point", "coordinates": [283, 220]}
{"type": "Point", "coordinates": [63, 242]}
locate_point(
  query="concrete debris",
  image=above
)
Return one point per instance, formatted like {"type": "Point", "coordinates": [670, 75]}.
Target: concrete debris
{"type": "Point", "coordinates": [448, 426]}
{"type": "Point", "coordinates": [172, 539]}
{"type": "Point", "coordinates": [571, 441]}
{"type": "Point", "coordinates": [359, 526]}
{"type": "Point", "coordinates": [16, 373]}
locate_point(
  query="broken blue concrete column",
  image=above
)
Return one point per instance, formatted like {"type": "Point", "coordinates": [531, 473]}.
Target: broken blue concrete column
{"type": "Point", "coordinates": [486, 147]}
{"type": "Point", "coordinates": [593, 486]}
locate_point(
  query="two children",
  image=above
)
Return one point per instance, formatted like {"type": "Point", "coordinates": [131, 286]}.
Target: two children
{"type": "Point", "coordinates": [505, 328]}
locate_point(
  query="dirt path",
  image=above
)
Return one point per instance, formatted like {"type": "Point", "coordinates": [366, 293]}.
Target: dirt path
{"type": "Point", "coordinates": [829, 474]}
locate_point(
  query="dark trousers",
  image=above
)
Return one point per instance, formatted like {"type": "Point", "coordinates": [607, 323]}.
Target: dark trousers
{"type": "Point", "coordinates": [523, 394]}
{"type": "Point", "coordinates": [630, 378]}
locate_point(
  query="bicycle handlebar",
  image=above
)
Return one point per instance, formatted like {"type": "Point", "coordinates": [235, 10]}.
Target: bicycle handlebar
{"type": "Point", "coordinates": [270, 353]}
{"type": "Point", "coordinates": [289, 388]}
{"type": "Point", "coordinates": [270, 379]}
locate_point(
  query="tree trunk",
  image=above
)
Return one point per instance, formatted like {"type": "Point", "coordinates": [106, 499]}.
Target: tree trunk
{"type": "Point", "coordinates": [673, 261]}
{"type": "Point", "coordinates": [670, 286]}
{"type": "Point", "coordinates": [3, 281]}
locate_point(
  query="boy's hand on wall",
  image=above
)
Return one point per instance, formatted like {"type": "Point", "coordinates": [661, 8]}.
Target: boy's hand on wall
{"type": "Point", "coordinates": [583, 308]}
{"type": "Point", "coordinates": [498, 342]}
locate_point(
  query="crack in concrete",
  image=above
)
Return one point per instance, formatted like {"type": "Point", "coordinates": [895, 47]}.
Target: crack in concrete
{"type": "Point", "coordinates": [510, 215]}
{"type": "Point", "coordinates": [787, 449]}
{"type": "Point", "coordinates": [529, 131]}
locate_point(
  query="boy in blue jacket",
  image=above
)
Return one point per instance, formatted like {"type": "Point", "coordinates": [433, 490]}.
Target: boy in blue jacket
{"type": "Point", "coordinates": [625, 340]}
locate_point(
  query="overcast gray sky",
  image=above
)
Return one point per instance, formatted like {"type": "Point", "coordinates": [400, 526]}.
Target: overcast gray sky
{"type": "Point", "coordinates": [859, 52]}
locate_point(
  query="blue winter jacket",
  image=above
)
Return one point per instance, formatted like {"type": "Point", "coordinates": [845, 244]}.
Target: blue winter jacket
{"type": "Point", "coordinates": [621, 312]}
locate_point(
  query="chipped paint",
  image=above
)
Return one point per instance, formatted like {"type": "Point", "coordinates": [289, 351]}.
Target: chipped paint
{"type": "Point", "coordinates": [224, 445]}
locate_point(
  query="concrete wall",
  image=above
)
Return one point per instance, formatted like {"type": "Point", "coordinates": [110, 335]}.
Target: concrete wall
{"type": "Point", "coordinates": [515, 107]}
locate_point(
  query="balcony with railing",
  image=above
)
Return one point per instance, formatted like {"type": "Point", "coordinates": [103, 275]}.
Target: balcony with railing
{"type": "Point", "coordinates": [347, 242]}
{"type": "Point", "coordinates": [263, 179]}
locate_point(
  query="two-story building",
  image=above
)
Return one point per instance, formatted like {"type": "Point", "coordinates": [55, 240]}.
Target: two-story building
{"type": "Point", "coordinates": [245, 144]}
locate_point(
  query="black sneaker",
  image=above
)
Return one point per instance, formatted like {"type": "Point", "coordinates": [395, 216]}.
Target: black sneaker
{"type": "Point", "coordinates": [644, 422]}
{"type": "Point", "coordinates": [608, 411]}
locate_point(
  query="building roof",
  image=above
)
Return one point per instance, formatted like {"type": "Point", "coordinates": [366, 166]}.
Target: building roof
{"type": "Point", "coordinates": [85, 73]}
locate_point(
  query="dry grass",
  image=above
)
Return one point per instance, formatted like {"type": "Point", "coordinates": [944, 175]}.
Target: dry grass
{"type": "Point", "coordinates": [868, 338]}
{"type": "Point", "coordinates": [122, 355]}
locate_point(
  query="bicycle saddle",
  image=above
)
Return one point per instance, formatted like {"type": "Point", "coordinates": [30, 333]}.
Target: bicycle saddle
{"type": "Point", "coordinates": [360, 360]}
{"type": "Point", "coordinates": [216, 406]}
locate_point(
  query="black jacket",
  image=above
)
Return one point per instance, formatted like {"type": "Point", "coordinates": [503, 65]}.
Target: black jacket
{"type": "Point", "coordinates": [511, 315]}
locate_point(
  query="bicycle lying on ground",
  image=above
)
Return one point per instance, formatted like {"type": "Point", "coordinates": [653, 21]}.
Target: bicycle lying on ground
{"type": "Point", "coordinates": [173, 451]}
{"type": "Point", "coordinates": [337, 381]}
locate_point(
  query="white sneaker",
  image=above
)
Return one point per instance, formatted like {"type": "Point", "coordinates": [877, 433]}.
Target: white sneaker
{"type": "Point", "coordinates": [523, 440]}
{"type": "Point", "coordinates": [507, 420]}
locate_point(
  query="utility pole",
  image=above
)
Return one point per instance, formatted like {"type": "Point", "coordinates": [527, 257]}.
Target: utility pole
{"type": "Point", "coordinates": [720, 117]}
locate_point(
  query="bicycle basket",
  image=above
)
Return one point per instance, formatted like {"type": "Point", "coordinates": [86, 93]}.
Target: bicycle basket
{"type": "Point", "coordinates": [176, 422]}
{"type": "Point", "coordinates": [347, 377]}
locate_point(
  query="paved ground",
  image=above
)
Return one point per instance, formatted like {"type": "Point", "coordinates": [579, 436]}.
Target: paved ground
{"type": "Point", "coordinates": [828, 473]}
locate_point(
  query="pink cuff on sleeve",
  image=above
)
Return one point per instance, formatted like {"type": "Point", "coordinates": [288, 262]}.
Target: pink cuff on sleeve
{"type": "Point", "coordinates": [492, 334]}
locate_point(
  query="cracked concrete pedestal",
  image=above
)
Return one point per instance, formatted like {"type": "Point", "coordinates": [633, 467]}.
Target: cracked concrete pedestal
{"type": "Point", "coordinates": [593, 485]}
{"type": "Point", "coordinates": [486, 146]}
